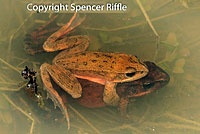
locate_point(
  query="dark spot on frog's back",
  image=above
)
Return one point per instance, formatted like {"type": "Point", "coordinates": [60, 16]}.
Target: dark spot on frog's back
{"type": "Point", "coordinates": [131, 60]}
{"type": "Point", "coordinates": [114, 62]}
{"type": "Point", "coordinates": [83, 54]}
{"type": "Point", "coordinates": [106, 55]}
{"type": "Point", "coordinates": [96, 54]}
{"type": "Point", "coordinates": [100, 66]}
{"type": "Point", "coordinates": [94, 61]}
{"type": "Point", "coordinates": [85, 63]}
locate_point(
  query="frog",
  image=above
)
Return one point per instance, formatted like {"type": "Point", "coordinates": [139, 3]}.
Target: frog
{"type": "Point", "coordinates": [92, 96]}
{"type": "Point", "coordinates": [75, 62]}
{"type": "Point", "coordinates": [92, 93]}
{"type": "Point", "coordinates": [154, 80]}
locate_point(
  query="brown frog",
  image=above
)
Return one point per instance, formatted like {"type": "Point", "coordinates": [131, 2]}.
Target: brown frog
{"type": "Point", "coordinates": [74, 65]}
{"type": "Point", "coordinates": [74, 62]}
{"type": "Point", "coordinates": [92, 95]}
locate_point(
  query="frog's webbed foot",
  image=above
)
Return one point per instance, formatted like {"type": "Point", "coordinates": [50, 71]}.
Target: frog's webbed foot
{"type": "Point", "coordinates": [53, 94]}
{"type": "Point", "coordinates": [34, 40]}
{"type": "Point", "coordinates": [110, 95]}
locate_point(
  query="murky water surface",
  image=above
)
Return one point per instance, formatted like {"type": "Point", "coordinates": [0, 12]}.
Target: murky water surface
{"type": "Point", "coordinates": [173, 109]}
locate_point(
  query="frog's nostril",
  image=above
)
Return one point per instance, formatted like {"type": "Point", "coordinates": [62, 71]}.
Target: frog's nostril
{"type": "Point", "coordinates": [130, 74]}
{"type": "Point", "coordinates": [142, 72]}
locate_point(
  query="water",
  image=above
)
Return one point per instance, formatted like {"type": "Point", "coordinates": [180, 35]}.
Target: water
{"type": "Point", "coordinates": [173, 109]}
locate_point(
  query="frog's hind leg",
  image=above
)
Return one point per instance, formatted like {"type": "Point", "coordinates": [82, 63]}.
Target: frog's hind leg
{"type": "Point", "coordinates": [73, 23]}
{"type": "Point", "coordinates": [52, 93]}
{"type": "Point", "coordinates": [59, 40]}
{"type": "Point", "coordinates": [35, 39]}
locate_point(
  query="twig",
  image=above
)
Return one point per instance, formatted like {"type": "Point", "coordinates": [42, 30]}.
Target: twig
{"type": "Point", "coordinates": [9, 83]}
{"type": "Point", "coordinates": [18, 108]}
{"type": "Point", "coordinates": [83, 118]}
{"type": "Point", "coordinates": [125, 127]}
{"type": "Point", "coordinates": [147, 17]}
{"type": "Point", "coordinates": [152, 27]}
{"type": "Point", "coordinates": [28, 60]}
{"type": "Point", "coordinates": [173, 116]}
{"type": "Point", "coordinates": [22, 62]}
{"type": "Point", "coordinates": [140, 23]}
{"type": "Point", "coordinates": [13, 35]}
{"type": "Point", "coordinates": [26, 105]}
{"type": "Point", "coordinates": [12, 89]}
{"type": "Point", "coordinates": [9, 65]}
{"type": "Point", "coordinates": [170, 125]}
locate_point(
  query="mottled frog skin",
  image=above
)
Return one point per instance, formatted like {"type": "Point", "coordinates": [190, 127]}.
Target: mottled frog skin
{"type": "Point", "coordinates": [75, 62]}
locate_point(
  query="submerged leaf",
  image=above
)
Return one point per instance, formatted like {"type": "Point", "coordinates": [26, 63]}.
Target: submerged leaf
{"type": "Point", "coordinates": [135, 12]}
{"type": "Point", "coordinates": [170, 56]}
{"type": "Point", "coordinates": [103, 36]}
{"type": "Point", "coordinates": [171, 39]}
{"type": "Point", "coordinates": [7, 117]}
{"type": "Point", "coordinates": [184, 52]}
{"type": "Point", "coordinates": [178, 68]}
{"type": "Point", "coordinates": [4, 104]}
{"type": "Point", "coordinates": [185, 3]}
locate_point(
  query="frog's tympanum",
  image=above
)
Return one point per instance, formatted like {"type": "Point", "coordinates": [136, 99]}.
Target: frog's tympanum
{"type": "Point", "coordinates": [75, 68]}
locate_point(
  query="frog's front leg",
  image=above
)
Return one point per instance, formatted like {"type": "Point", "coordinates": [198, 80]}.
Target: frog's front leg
{"type": "Point", "coordinates": [123, 103]}
{"type": "Point", "coordinates": [110, 95]}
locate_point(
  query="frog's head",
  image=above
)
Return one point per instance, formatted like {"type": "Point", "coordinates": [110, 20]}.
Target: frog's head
{"type": "Point", "coordinates": [155, 79]}
{"type": "Point", "coordinates": [135, 73]}
{"type": "Point", "coordinates": [129, 68]}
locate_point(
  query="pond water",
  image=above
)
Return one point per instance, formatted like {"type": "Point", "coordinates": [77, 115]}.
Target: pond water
{"type": "Point", "coordinates": [173, 109]}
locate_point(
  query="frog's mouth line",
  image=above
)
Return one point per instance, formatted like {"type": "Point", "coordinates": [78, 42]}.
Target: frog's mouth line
{"type": "Point", "coordinates": [147, 88]}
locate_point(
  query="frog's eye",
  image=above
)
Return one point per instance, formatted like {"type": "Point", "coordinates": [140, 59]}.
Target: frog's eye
{"type": "Point", "coordinates": [130, 74]}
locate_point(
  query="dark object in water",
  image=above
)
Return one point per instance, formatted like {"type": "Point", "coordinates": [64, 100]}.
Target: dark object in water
{"type": "Point", "coordinates": [31, 75]}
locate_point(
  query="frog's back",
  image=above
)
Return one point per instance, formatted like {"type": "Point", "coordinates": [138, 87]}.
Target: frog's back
{"type": "Point", "coordinates": [98, 61]}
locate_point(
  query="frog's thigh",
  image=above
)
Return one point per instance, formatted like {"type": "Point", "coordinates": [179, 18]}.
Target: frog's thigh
{"type": "Point", "coordinates": [65, 79]}
{"type": "Point", "coordinates": [52, 93]}
{"type": "Point", "coordinates": [110, 95]}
